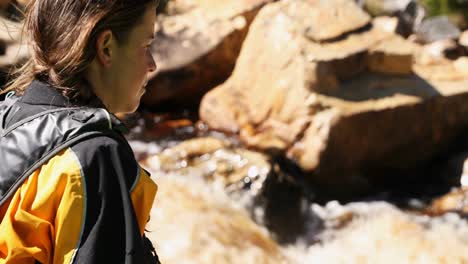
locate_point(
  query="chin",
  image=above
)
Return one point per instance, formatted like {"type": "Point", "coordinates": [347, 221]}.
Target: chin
{"type": "Point", "coordinates": [133, 108]}
{"type": "Point", "coordinates": [127, 110]}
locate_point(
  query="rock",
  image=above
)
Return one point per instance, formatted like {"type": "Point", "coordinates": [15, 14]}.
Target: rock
{"type": "Point", "coordinates": [330, 19]}
{"type": "Point", "coordinates": [392, 56]}
{"type": "Point", "coordinates": [437, 28]}
{"type": "Point", "coordinates": [216, 160]}
{"type": "Point", "coordinates": [315, 103]}
{"type": "Point", "coordinates": [436, 52]}
{"type": "Point", "coordinates": [386, 23]}
{"type": "Point", "coordinates": [456, 169]}
{"type": "Point", "coordinates": [172, 158]}
{"type": "Point", "coordinates": [196, 147]}
{"type": "Point", "coordinates": [461, 65]}
{"type": "Point", "coordinates": [324, 63]}
{"type": "Point", "coordinates": [447, 71]}
{"type": "Point", "coordinates": [455, 201]}
{"type": "Point", "coordinates": [463, 40]}
{"type": "Point", "coordinates": [385, 7]}
{"type": "Point", "coordinates": [411, 18]}
{"type": "Point", "coordinates": [197, 44]}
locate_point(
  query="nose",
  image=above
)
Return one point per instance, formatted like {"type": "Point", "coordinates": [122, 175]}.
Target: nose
{"type": "Point", "coordinates": [151, 63]}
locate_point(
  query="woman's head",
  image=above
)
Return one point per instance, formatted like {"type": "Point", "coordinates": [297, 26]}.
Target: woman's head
{"type": "Point", "coordinates": [77, 45]}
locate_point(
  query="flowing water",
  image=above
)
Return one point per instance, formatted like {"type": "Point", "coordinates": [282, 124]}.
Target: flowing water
{"type": "Point", "coordinates": [220, 203]}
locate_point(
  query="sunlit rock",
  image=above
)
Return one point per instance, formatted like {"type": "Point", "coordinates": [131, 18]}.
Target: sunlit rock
{"type": "Point", "coordinates": [392, 56]}
{"type": "Point", "coordinates": [463, 40]}
{"type": "Point", "coordinates": [386, 23]}
{"type": "Point", "coordinates": [435, 52]}
{"type": "Point", "coordinates": [324, 19]}
{"type": "Point", "coordinates": [455, 201]}
{"type": "Point", "coordinates": [215, 160]}
{"type": "Point", "coordinates": [461, 65]}
{"type": "Point", "coordinates": [317, 103]}
{"type": "Point", "coordinates": [196, 46]}
{"type": "Point", "coordinates": [443, 71]}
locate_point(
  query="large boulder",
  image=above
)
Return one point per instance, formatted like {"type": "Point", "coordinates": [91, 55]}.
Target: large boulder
{"type": "Point", "coordinates": [197, 44]}
{"type": "Point", "coordinates": [317, 103]}
{"type": "Point", "coordinates": [463, 40]}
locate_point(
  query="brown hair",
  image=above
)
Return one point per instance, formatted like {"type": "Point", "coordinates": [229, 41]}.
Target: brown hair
{"type": "Point", "coordinates": [61, 36]}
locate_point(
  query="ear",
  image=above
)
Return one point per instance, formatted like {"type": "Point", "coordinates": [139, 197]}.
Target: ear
{"type": "Point", "coordinates": [104, 45]}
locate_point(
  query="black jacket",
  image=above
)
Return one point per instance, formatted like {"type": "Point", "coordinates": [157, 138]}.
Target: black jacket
{"type": "Point", "coordinates": [87, 202]}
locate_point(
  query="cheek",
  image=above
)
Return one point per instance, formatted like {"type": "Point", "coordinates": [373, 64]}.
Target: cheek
{"type": "Point", "coordinates": [135, 69]}
{"type": "Point", "coordinates": [142, 63]}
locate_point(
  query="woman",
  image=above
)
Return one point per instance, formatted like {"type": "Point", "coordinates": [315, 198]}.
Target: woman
{"type": "Point", "coordinates": [89, 202]}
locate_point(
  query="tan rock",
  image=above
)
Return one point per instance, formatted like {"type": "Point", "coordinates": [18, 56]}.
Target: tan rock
{"type": "Point", "coordinates": [392, 56]}
{"type": "Point", "coordinates": [197, 44]}
{"type": "Point", "coordinates": [215, 160]}
{"type": "Point", "coordinates": [386, 23]}
{"type": "Point", "coordinates": [463, 40]}
{"type": "Point", "coordinates": [171, 158]}
{"type": "Point", "coordinates": [434, 53]}
{"type": "Point", "coordinates": [461, 65]}
{"type": "Point", "coordinates": [443, 70]}
{"type": "Point", "coordinates": [300, 97]}
{"type": "Point", "coordinates": [455, 201]}
{"type": "Point", "coordinates": [329, 19]}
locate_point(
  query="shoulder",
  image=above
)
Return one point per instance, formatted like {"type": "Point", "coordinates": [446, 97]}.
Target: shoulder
{"type": "Point", "coordinates": [104, 156]}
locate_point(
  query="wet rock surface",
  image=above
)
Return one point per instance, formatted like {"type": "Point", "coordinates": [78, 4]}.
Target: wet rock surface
{"type": "Point", "coordinates": [203, 213]}
{"type": "Point", "coordinates": [215, 160]}
{"type": "Point", "coordinates": [200, 219]}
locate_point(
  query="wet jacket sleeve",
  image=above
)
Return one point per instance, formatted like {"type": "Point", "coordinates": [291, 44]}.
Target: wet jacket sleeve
{"type": "Point", "coordinates": [72, 211]}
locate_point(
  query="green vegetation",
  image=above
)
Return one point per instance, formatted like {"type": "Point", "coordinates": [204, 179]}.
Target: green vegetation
{"type": "Point", "coordinates": [457, 10]}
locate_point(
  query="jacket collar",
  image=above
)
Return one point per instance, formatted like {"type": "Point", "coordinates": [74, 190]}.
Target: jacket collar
{"type": "Point", "coordinates": [41, 93]}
